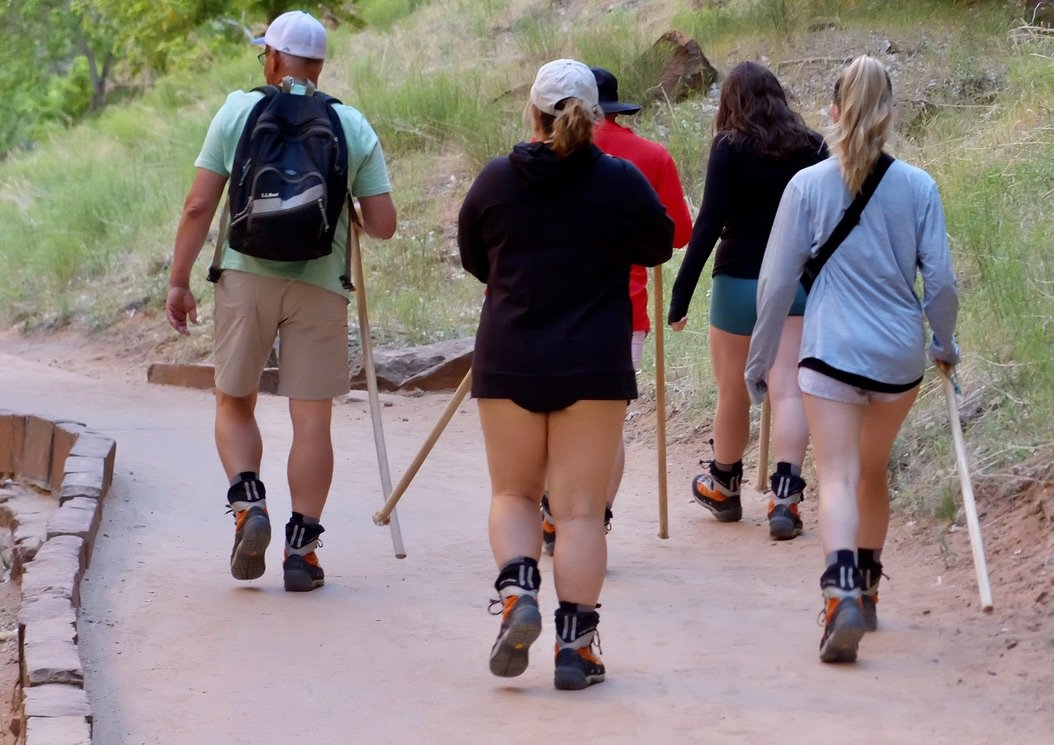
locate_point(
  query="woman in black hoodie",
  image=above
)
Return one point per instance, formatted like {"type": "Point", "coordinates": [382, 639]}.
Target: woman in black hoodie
{"type": "Point", "coordinates": [552, 229]}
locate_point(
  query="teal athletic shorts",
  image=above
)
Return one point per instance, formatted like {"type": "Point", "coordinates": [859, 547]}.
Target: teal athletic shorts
{"type": "Point", "coordinates": [733, 304]}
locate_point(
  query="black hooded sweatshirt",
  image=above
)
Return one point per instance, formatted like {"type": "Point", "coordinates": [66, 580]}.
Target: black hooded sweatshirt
{"type": "Point", "coordinates": [553, 239]}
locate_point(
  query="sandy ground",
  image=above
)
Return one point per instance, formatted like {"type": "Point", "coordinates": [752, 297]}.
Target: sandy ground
{"type": "Point", "coordinates": [709, 636]}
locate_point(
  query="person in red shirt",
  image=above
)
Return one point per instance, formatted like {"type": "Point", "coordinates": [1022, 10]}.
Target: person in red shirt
{"type": "Point", "coordinates": [658, 167]}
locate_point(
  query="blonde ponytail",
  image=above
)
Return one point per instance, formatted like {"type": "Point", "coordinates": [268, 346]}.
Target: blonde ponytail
{"type": "Point", "coordinates": [864, 97]}
{"type": "Point", "coordinates": [570, 129]}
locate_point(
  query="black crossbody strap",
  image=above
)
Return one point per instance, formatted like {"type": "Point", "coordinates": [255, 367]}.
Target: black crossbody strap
{"type": "Point", "coordinates": [849, 221]}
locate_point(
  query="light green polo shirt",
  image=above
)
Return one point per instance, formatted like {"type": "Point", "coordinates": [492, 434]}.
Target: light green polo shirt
{"type": "Point", "coordinates": [367, 177]}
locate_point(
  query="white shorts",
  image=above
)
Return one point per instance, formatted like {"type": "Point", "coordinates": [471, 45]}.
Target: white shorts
{"type": "Point", "coordinates": [824, 386]}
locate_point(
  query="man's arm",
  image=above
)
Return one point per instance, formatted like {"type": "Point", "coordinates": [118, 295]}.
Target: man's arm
{"type": "Point", "coordinates": [198, 210]}
{"type": "Point", "coordinates": [378, 216]}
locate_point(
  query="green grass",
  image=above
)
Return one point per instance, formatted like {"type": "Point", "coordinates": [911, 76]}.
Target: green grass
{"type": "Point", "coordinates": [88, 217]}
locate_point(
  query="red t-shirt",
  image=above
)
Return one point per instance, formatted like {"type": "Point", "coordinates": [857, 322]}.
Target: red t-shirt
{"type": "Point", "coordinates": [657, 165]}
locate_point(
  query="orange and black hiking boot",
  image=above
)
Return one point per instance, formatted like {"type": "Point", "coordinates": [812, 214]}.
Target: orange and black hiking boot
{"type": "Point", "coordinates": [252, 526]}
{"type": "Point", "coordinates": [300, 569]}
{"type": "Point", "coordinates": [843, 615]}
{"type": "Point", "coordinates": [521, 621]}
{"type": "Point", "coordinates": [577, 665]}
{"type": "Point", "coordinates": [787, 492]}
{"type": "Point", "coordinates": [718, 491]}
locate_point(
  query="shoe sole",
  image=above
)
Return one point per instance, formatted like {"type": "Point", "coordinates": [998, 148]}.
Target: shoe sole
{"type": "Point", "coordinates": [844, 640]}
{"type": "Point", "coordinates": [573, 679]}
{"type": "Point", "coordinates": [870, 613]}
{"type": "Point", "coordinates": [783, 528]}
{"type": "Point", "coordinates": [727, 515]}
{"type": "Point", "coordinates": [247, 560]}
{"type": "Point", "coordinates": [509, 657]}
{"type": "Point", "coordinates": [298, 580]}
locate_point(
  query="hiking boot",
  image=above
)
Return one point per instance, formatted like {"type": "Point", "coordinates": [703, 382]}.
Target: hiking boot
{"type": "Point", "coordinates": [549, 528]}
{"type": "Point", "coordinates": [843, 615]}
{"type": "Point", "coordinates": [301, 570]}
{"type": "Point", "coordinates": [872, 574]}
{"type": "Point", "coordinates": [577, 665]}
{"type": "Point", "coordinates": [302, 573]}
{"type": "Point", "coordinates": [521, 621]}
{"type": "Point", "coordinates": [718, 491]}
{"type": "Point", "coordinates": [787, 491]}
{"type": "Point", "coordinates": [843, 629]}
{"type": "Point", "coordinates": [252, 527]}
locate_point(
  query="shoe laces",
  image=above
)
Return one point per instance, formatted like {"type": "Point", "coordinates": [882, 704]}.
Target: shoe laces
{"type": "Point", "coordinates": [595, 642]}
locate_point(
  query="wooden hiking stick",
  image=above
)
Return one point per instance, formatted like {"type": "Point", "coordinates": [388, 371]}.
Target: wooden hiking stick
{"type": "Point", "coordinates": [763, 445]}
{"type": "Point", "coordinates": [382, 515]}
{"type": "Point", "coordinates": [969, 506]}
{"type": "Point", "coordinates": [371, 373]}
{"type": "Point", "coordinates": [660, 400]}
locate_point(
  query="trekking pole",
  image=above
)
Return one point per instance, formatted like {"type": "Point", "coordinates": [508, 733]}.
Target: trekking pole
{"type": "Point", "coordinates": [381, 516]}
{"type": "Point", "coordinates": [660, 401]}
{"type": "Point", "coordinates": [973, 524]}
{"type": "Point", "coordinates": [763, 445]}
{"type": "Point", "coordinates": [371, 374]}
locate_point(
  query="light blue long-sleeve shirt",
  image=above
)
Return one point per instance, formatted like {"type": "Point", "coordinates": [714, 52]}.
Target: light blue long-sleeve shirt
{"type": "Point", "coordinates": [863, 315]}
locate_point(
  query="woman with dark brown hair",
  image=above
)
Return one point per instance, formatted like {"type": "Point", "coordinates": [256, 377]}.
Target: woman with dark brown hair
{"type": "Point", "coordinates": [760, 143]}
{"type": "Point", "coordinates": [552, 229]}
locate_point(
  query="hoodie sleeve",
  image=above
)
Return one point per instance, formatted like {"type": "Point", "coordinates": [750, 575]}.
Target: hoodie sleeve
{"type": "Point", "coordinates": [788, 248]}
{"type": "Point", "coordinates": [470, 229]}
{"type": "Point", "coordinates": [652, 227]}
{"type": "Point", "coordinates": [940, 296]}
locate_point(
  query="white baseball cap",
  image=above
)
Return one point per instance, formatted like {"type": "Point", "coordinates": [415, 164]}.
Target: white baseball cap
{"type": "Point", "coordinates": [564, 78]}
{"type": "Point", "coordinates": [296, 33]}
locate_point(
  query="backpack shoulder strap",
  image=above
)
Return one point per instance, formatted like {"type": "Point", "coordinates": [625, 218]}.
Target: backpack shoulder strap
{"type": "Point", "coordinates": [342, 165]}
{"type": "Point", "coordinates": [225, 216]}
{"type": "Point", "coordinates": [849, 221]}
{"type": "Point", "coordinates": [221, 237]}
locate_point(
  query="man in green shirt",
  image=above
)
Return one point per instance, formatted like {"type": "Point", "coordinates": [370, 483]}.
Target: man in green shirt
{"type": "Point", "coordinates": [302, 303]}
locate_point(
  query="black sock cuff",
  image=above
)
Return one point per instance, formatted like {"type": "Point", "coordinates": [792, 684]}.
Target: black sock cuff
{"type": "Point", "coordinates": [521, 572]}
{"type": "Point", "coordinates": [842, 557]}
{"type": "Point", "coordinates": [567, 607]}
{"type": "Point", "coordinates": [869, 556]}
{"type": "Point", "coordinates": [246, 490]}
{"type": "Point", "coordinates": [735, 470]}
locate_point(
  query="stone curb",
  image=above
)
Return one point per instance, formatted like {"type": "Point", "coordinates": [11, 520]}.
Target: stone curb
{"type": "Point", "coordinates": [53, 536]}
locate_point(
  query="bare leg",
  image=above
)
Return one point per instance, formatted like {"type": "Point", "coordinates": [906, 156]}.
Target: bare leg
{"type": "Point", "coordinates": [583, 441]}
{"type": "Point", "coordinates": [516, 454]}
{"type": "Point", "coordinates": [835, 428]}
{"type": "Point", "coordinates": [790, 429]}
{"type": "Point", "coordinates": [310, 465]}
{"type": "Point", "coordinates": [238, 437]}
{"type": "Point", "coordinates": [881, 423]}
{"type": "Point", "coordinates": [616, 473]}
{"type": "Point", "coordinates": [728, 356]}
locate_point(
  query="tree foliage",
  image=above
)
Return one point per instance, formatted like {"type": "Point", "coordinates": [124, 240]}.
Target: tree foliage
{"type": "Point", "coordinates": [66, 58]}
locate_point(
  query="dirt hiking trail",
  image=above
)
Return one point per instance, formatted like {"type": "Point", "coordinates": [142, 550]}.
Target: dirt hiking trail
{"type": "Point", "coordinates": [708, 637]}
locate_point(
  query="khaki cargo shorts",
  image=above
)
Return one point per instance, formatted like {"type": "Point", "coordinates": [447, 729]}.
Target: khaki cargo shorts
{"type": "Point", "coordinates": [311, 325]}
